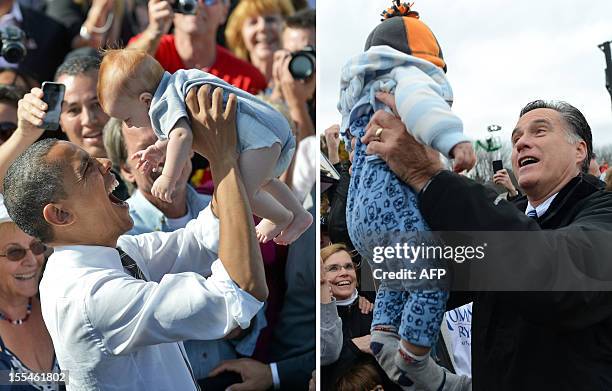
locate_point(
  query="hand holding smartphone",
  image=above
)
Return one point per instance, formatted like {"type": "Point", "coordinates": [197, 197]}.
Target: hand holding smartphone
{"type": "Point", "coordinates": [497, 165]}
{"type": "Point", "coordinates": [53, 97]}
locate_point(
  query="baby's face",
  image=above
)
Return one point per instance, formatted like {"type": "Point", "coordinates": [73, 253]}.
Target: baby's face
{"type": "Point", "coordinates": [133, 112]}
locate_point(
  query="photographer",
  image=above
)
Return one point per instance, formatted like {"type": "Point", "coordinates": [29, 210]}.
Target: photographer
{"type": "Point", "coordinates": [192, 44]}
{"type": "Point", "coordinates": [299, 95]}
{"type": "Point", "coordinates": [46, 43]}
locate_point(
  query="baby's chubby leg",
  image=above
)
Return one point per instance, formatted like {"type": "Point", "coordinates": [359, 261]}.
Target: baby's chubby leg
{"type": "Point", "coordinates": [301, 218]}
{"type": "Point", "coordinates": [257, 167]}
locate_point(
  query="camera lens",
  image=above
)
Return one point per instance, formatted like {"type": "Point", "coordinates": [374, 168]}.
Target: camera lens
{"type": "Point", "coordinates": [13, 53]}
{"type": "Point", "coordinates": [188, 7]}
{"type": "Point", "coordinates": [13, 44]}
{"type": "Point", "coordinates": [301, 67]}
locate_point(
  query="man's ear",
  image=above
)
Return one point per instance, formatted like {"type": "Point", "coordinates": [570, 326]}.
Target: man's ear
{"type": "Point", "coordinates": [146, 98]}
{"type": "Point", "coordinates": [56, 215]}
{"type": "Point", "coordinates": [126, 173]}
{"type": "Point", "coordinates": [581, 152]}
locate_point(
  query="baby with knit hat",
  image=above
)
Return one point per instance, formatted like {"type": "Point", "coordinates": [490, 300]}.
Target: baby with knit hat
{"type": "Point", "coordinates": [403, 57]}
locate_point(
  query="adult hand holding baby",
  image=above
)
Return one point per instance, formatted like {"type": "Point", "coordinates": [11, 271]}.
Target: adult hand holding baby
{"type": "Point", "coordinates": [464, 157]}
{"type": "Point", "coordinates": [413, 162]}
{"type": "Point", "coordinates": [214, 129]}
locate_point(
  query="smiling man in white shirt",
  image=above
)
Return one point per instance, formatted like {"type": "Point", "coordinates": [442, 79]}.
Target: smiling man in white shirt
{"type": "Point", "coordinates": [110, 328]}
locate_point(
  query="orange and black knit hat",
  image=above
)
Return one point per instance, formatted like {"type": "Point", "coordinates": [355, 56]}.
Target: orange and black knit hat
{"type": "Point", "coordinates": [402, 29]}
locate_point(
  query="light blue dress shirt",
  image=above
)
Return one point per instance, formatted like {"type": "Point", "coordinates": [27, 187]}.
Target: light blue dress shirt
{"type": "Point", "coordinates": [147, 218]}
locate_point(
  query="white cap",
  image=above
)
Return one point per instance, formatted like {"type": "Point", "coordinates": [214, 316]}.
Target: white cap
{"type": "Point", "coordinates": [4, 216]}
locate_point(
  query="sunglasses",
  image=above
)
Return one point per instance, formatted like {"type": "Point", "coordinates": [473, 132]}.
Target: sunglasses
{"type": "Point", "coordinates": [6, 130]}
{"type": "Point", "coordinates": [16, 253]}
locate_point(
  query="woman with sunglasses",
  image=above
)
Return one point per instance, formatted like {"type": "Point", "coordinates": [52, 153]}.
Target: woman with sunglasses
{"type": "Point", "coordinates": [26, 349]}
{"type": "Point", "coordinates": [356, 314]}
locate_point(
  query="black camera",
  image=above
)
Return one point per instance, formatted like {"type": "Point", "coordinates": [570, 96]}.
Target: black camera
{"type": "Point", "coordinates": [12, 44]}
{"type": "Point", "coordinates": [187, 7]}
{"type": "Point", "coordinates": [302, 64]}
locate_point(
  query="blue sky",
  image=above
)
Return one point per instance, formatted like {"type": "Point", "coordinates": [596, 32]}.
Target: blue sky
{"type": "Point", "coordinates": [500, 55]}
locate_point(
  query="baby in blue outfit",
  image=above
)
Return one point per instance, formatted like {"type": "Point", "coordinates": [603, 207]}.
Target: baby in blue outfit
{"type": "Point", "coordinates": [134, 87]}
{"type": "Point", "coordinates": [403, 57]}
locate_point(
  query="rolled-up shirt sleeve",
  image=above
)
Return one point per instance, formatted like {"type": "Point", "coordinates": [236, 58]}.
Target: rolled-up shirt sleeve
{"type": "Point", "coordinates": [179, 307]}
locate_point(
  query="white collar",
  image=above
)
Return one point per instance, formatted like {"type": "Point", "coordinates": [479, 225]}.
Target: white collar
{"type": "Point", "coordinates": [85, 255]}
{"type": "Point", "coordinates": [348, 301]}
{"type": "Point", "coordinates": [543, 207]}
{"type": "Point", "coordinates": [15, 14]}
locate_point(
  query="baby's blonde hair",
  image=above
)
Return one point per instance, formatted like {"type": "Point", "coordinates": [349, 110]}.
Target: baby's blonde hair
{"type": "Point", "coordinates": [128, 73]}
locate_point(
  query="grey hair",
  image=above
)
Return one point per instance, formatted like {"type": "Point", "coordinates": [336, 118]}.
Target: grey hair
{"type": "Point", "coordinates": [579, 129]}
{"type": "Point", "coordinates": [32, 182]}
{"type": "Point", "coordinates": [114, 143]}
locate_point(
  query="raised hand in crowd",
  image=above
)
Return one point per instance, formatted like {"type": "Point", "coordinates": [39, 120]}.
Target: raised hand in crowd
{"type": "Point", "coordinates": [97, 26]}
{"type": "Point", "coordinates": [295, 93]}
{"type": "Point", "coordinates": [160, 21]}
{"type": "Point", "coordinates": [502, 178]}
{"type": "Point", "coordinates": [332, 139]}
{"type": "Point", "coordinates": [30, 114]}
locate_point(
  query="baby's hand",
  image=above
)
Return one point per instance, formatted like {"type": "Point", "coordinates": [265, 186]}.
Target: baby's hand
{"type": "Point", "coordinates": [163, 188]}
{"type": "Point", "coordinates": [149, 159]}
{"type": "Point", "coordinates": [464, 156]}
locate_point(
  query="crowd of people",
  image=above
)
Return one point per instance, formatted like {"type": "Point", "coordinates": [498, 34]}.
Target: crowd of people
{"type": "Point", "coordinates": [390, 184]}
{"type": "Point", "coordinates": [105, 282]}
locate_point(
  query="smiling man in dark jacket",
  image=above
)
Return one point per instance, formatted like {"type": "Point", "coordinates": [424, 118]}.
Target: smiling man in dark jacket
{"type": "Point", "coordinates": [555, 340]}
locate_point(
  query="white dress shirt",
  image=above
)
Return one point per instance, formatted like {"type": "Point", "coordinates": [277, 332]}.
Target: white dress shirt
{"type": "Point", "coordinates": [542, 208]}
{"type": "Point", "coordinates": [304, 172]}
{"type": "Point", "coordinates": [114, 332]}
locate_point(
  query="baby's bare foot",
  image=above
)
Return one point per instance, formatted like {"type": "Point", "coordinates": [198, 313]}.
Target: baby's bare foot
{"type": "Point", "coordinates": [300, 223]}
{"type": "Point", "coordinates": [267, 230]}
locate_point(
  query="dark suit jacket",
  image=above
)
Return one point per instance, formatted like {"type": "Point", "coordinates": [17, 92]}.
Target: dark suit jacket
{"type": "Point", "coordinates": [47, 44]}
{"type": "Point", "coordinates": [294, 340]}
